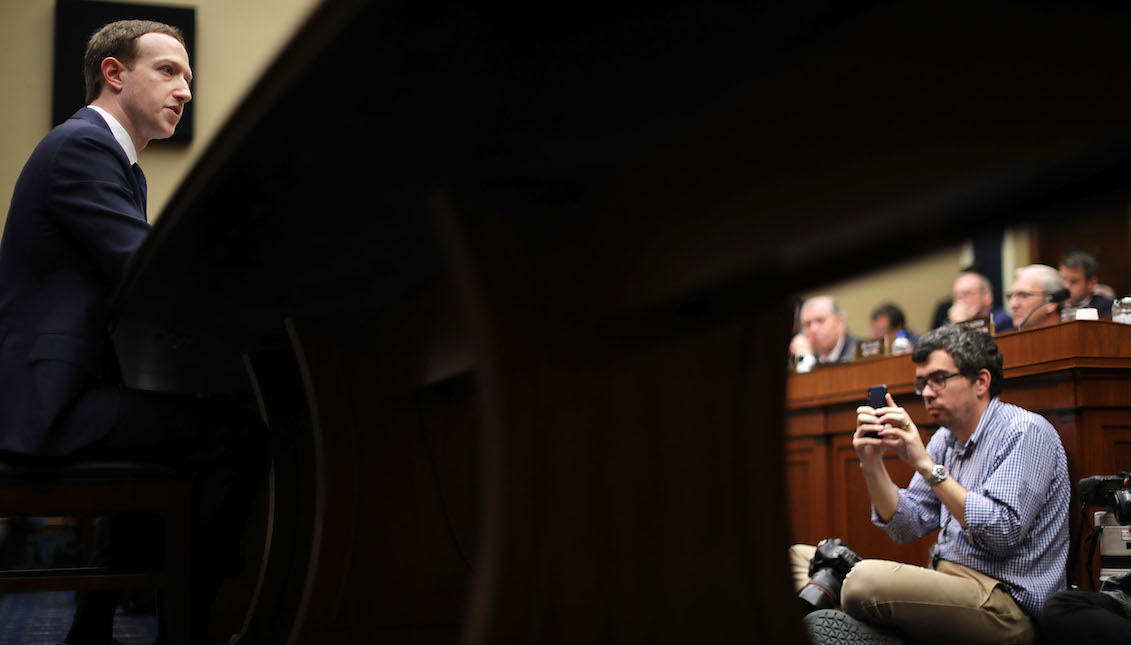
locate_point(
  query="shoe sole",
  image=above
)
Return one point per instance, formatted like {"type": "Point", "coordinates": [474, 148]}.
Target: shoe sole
{"type": "Point", "coordinates": [829, 626]}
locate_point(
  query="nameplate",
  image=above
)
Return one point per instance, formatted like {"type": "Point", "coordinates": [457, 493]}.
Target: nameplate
{"type": "Point", "coordinates": [1086, 313]}
{"type": "Point", "coordinates": [985, 324]}
{"type": "Point", "coordinates": [871, 348]}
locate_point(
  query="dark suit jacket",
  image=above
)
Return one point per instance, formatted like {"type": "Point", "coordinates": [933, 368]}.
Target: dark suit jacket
{"type": "Point", "coordinates": [76, 220]}
{"type": "Point", "coordinates": [1102, 305]}
{"type": "Point", "coordinates": [847, 351]}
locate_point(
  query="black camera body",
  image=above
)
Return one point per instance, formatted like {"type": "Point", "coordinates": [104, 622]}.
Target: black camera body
{"type": "Point", "coordinates": [1113, 492]}
{"type": "Point", "coordinates": [830, 564]}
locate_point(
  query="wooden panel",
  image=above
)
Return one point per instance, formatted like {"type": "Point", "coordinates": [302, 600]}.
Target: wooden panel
{"type": "Point", "coordinates": [805, 423]}
{"type": "Point", "coordinates": [1107, 388]}
{"type": "Point", "coordinates": [849, 382]}
{"type": "Point", "coordinates": [632, 466]}
{"type": "Point", "coordinates": [414, 464]}
{"type": "Point", "coordinates": [1041, 392]}
{"type": "Point", "coordinates": [1109, 443]}
{"type": "Point", "coordinates": [395, 503]}
{"type": "Point", "coordinates": [806, 487]}
{"type": "Point", "coordinates": [1079, 343]}
{"type": "Point", "coordinates": [852, 508]}
{"type": "Point", "coordinates": [1101, 227]}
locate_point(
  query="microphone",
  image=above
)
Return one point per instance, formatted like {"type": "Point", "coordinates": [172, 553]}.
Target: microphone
{"type": "Point", "coordinates": [1060, 295]}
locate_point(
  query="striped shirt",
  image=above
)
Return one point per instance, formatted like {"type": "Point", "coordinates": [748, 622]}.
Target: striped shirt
{"type": "Point", "coordinates": [1016, 476]}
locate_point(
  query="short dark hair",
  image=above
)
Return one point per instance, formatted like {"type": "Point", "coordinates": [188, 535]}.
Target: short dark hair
{"type": "Point", "coordinates": [1081, 259]}
{"type": "Point", "coordinates": [892, 311]}
{"type": "Point", "coordinates": [971, 351]}
{"type": "Point", "coordinates": [118, 40]}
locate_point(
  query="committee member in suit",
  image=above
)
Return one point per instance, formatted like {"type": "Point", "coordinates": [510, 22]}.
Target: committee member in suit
{"type": "Point", "coordinates": [1081, 275]}
{"type": "Point", "coordinates": [974, 298]}
{"type": "Point", "coordinates": [824, 336]}
{"type": "Point", "coordinates": [76, 221]}
{"type": "Point", "coordinates": [1027, 298]}
{"type": "Point", "coordinates": [887, 321]}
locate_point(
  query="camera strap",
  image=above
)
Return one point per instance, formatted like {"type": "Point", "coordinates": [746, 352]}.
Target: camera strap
{"type": "Point", "coordinates": [1092, 540]}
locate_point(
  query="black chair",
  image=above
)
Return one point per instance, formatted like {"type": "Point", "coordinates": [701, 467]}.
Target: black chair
{"type": "Point", "coordinates": [40, 487]}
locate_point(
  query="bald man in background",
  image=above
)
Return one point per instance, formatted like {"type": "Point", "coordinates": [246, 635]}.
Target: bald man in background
{"type": "Point", "coordinates": [974, 298]}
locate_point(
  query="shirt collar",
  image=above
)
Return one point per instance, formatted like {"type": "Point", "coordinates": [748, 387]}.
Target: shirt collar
{"type": "Point", "coordinates": [979, 430]}
{"type": "Point", "coordinates": [833, 355]}
{"type": "Point", "coordinates": [120, 134]}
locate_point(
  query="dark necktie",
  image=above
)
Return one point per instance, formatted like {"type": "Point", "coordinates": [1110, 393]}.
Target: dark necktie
{"type": "Point", "coordinates": [140, 176]}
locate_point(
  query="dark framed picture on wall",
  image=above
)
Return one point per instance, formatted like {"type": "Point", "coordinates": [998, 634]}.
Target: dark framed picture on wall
{"type": "Point", "coordinates": [77, 20]}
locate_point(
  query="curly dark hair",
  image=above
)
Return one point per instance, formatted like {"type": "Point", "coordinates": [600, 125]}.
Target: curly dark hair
{"type": "Point", "coordinates": [971, 351]}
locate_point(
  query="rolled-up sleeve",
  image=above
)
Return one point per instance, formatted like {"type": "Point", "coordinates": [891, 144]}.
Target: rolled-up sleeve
{"type": "Point", "coordinates": [1000, 512]}
{"type": "Point", "coordinates": [919, 510]}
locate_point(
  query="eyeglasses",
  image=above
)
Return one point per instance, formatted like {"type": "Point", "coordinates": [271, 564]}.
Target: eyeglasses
{"type": "Point", "coordinates": [937, 381]}
{"type": "Point", "coordinates": [1024, 295]}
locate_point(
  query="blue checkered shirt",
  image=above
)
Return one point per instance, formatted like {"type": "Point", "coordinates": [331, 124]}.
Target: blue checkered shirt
{"type": "Point", "coordinates": [1016, 476]}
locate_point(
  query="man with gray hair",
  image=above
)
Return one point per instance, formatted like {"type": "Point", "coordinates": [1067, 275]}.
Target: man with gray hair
{"type": "Point", "coordinates": [824, 335]}
{"type": "Point", "coordinates": [1028, 303]}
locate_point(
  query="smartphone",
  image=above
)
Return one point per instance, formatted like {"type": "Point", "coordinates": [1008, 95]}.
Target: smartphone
{"type": "Point", "coordinates": [877, 398]}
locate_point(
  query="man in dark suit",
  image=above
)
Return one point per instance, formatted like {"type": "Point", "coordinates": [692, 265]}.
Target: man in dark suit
{"type": "Point", "coordinates": [824, 334]}
{"type": "Point", "coordinates": [77, 218]}
{"type": "Point", "coordinates": [1081, 274]}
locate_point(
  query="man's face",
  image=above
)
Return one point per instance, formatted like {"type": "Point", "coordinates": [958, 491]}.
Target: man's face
{"type": "Point", "coordinates": [954, 404]}
{"type": "Point", "coordinates": [155, 91]}
{"type": "Point", "coordinates": [881, 327]}
{"type": "Point", "coordinates": [1027, 294]}
{"type": "Point", "coordinates": [969, 290]}
{"type": "Point", "coordinates": [1078, 286]}
{"type": "Point", "coordinates": [821, 326]}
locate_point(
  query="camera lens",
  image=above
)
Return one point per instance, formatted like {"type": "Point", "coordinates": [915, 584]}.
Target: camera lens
{"type": "Point", "coordinates": [1122, 507]}
{"type": "Point", "coordinates": [822, 592]}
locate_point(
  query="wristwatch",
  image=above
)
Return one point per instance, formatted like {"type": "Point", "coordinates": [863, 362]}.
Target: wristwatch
{"type": "Point", "coordinates": [938, 474]}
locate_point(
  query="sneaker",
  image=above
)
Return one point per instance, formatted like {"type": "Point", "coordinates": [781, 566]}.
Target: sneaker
{"type": "Point", "coordinates": [832, 627]}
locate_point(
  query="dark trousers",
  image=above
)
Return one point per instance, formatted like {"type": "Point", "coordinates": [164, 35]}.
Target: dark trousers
{"type": "Point", "coordinates": [224, 445]}
{"type": "Point", "coordinates": [1084, 617]}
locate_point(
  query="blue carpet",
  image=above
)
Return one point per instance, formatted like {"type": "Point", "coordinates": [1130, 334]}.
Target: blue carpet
{"type": "Point", "coordinates": [43, 619]}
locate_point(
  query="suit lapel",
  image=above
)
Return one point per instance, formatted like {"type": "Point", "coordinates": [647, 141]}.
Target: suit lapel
{"type": "Point", "coordinates": [141, 188]}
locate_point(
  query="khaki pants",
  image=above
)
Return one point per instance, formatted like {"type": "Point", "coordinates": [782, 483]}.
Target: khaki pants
{"type": "Point", "coordinates": [950, 605]}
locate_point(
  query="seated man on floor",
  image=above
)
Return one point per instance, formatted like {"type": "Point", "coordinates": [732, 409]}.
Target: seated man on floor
{"type": "Point", "coordinates": [993, 479]}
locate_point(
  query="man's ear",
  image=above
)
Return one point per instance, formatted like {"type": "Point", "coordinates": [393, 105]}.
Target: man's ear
{"type": "Point", "coordinates": [982, 382]}
{"type": "Point", "coordinates": [112, 70]}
